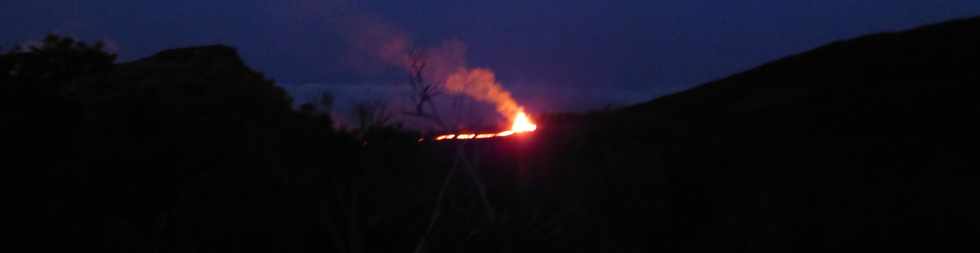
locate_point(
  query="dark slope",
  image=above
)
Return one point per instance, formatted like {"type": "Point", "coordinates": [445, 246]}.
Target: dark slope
{"type": "Point", "coordinates": [926, 70]}
{"type": "Point", "coordinates": [867, 143]}
{"type": "Point", "coordinates": [185, 150]}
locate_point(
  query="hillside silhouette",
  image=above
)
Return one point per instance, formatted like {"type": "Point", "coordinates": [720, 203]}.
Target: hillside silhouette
{"type": "Point", "coordinates": [863, 144]}
{"type": "Point", "coordinates": [170, 152]}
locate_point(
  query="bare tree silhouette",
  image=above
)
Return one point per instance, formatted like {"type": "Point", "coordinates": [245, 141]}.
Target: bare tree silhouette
{"type": "Point", "coordinates": [423, 91]}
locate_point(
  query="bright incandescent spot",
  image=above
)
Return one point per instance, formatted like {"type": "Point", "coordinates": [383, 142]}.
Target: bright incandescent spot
{"type": "Point", "coordinates": [522, 124]}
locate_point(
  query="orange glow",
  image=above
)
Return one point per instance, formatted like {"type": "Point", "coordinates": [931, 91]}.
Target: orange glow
{"type": "Point", "coordinates": [505, 133]}
{"type": "Point", "coordinates": [522, 124]}
{"type": "Point", "coordinates": [445, 137]}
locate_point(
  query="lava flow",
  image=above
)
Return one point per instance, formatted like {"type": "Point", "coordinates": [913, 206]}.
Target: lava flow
{"type": "Point", "coordinates": [522, 124]}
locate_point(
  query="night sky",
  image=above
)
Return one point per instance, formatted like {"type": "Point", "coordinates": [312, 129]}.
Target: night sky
{"type": "Point", "coordinates": [553, 54]}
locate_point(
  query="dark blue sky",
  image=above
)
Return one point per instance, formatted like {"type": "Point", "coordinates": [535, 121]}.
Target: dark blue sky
{"type": "Point", "coordinates": [554, 54]}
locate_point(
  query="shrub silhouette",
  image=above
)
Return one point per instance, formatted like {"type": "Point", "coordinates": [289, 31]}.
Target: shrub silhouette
{"type": "Point", "coordinates": [189, 150]}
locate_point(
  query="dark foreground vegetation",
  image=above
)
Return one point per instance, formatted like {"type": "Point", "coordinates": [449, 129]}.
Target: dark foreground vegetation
{"type": "Point", "coordinates": [867, 144]}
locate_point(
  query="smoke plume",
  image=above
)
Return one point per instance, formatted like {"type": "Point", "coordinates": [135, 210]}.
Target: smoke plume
{"type": "Point", "coordinates": [481, 85]}
{"type": "Point", "coordinates": [445, 64]}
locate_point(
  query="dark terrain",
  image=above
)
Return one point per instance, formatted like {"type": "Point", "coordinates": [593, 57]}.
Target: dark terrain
{"type": "Point", "coordinates": [865, 144]}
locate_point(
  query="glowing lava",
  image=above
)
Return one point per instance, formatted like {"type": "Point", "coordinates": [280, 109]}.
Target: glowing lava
{"type": "Point", "coordinates": [522, 124]}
